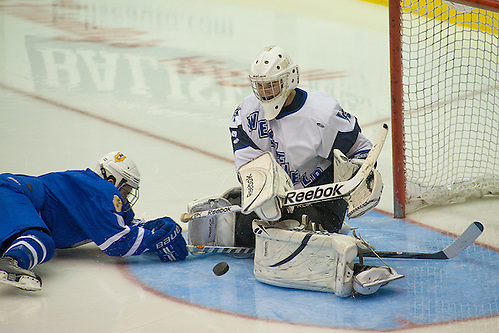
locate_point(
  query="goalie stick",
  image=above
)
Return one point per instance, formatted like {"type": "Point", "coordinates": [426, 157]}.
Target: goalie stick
{"type": "Point", "coordinates": [313, 194]}
{"type": "Point", "coordinates": [452, 250]}
{"type": "Point", "coordinates": [195, 249]}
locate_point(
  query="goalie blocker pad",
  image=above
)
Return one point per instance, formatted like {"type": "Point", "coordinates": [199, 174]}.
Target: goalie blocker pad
{"type": "Point", "coordinates": [302, 259]}
{"type": "Point", "coordinates": [264, 184]}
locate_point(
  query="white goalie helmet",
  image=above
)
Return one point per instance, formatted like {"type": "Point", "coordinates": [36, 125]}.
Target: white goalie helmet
{"type": "Point", "coordinates": [117, 168]}
{"type": "Point", "coordinates": [273, 76]}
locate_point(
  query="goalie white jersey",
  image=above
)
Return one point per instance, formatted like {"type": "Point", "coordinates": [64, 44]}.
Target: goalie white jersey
{"type": "Point", "coordinates": [301, 138]}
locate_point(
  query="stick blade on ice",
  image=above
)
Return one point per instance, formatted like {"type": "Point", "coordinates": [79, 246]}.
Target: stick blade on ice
{"type": "Point", "coordinates": [465, 240]}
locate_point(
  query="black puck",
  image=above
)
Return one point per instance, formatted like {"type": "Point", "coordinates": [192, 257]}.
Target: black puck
{"type": "Point", "coordinates": [221, 268]}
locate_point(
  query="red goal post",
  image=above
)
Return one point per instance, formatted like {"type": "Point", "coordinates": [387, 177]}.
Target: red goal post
{"type": "Point", "coordinates": [444, 73]}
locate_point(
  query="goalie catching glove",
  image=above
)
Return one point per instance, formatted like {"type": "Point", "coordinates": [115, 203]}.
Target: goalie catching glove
{"type": "Point", "coordinates": [165, 238]}
{"type": "Point", "coordinates": [264, 184]}
{"type": "Point", "coordinates": [367, 195]}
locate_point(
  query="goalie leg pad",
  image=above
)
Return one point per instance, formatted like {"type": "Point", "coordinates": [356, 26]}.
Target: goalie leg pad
{"type": "Point", "coordinates": [304, 259]}
{"type": "Point", "coordinates": [216, 230]}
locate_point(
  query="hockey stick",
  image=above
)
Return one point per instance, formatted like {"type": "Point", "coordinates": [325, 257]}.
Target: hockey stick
{"type": "Point", "coordinates": [196, 249]}
{"type": "Point", "coordinates": [452, 250]}
{"type": "Point", "coordinates": [313, 194]}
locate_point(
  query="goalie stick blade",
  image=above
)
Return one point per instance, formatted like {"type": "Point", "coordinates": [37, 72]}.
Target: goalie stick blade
{"type": "Point", "coordinates": [452, 250]}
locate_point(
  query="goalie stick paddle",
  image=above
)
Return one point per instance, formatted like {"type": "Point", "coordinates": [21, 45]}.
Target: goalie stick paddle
{"type": "Point", "coordinates": [195, 249]}
{"type": "Point", "coordinates": [313, 194]}
{"type": "Point", "coordinates": [452, 250]}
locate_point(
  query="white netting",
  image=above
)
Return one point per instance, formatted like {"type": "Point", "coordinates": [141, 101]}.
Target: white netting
{"type": "Point", "coordinates": [451, 103]}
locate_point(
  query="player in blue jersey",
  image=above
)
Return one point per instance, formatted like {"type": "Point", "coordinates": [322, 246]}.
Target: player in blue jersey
{"type": "Point", "coordinates": [39, 214]}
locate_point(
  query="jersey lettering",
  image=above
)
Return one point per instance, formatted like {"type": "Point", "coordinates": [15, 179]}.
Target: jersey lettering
{"type": "Point", "coordinates": [304, 179]}
{"type": "Point", "coordinates": [235, 139]}
{"type": "Point", "coordinates": [343, 114]}
{"type": "Point", "coordinates": [263, 129]}
{"type": "Point", "coordinates": [252, 121]}
{"type": "Point", "coordinates": [236, 113]}
{"type": "Point", "coordinates": [307, 180]}
{"type": "Point", "coordinates": [274, 144]}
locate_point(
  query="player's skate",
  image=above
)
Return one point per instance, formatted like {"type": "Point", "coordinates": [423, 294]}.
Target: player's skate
{"type": "Point", "coordinates": [369, 280]}
{"type": "Point", "coordinates": [13, 275]}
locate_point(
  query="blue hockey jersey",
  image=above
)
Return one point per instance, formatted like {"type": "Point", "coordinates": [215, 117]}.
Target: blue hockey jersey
{"type": "Point", "coordinates": [75, 207]}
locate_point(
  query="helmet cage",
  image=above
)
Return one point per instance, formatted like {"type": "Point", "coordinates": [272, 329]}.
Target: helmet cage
{"type": "Point", "coordinates": [116, 168]}
{"type": "Point", "coordinates": [126, 184]}
{"type": "Point", "coordinates": [266, 90]}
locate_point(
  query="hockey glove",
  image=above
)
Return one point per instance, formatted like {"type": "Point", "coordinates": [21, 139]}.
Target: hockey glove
{"type": "Point", "coordinates": [367, 195]}
{"type": "Point", "coordinates": [155, 224]}
{"type": "Point", "coordinates": [344, 168]}
{"type": "Point", "coordinates": [166, 239]}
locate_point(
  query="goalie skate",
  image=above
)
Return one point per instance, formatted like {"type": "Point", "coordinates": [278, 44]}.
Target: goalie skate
{"type": "Point", "coordinates": [13, 275]}
{"type": "Point", "coordinates": [370, 280]}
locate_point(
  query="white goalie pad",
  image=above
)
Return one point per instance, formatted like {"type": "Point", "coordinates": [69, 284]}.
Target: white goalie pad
{"type": "Point", "coordinates": [301, 259]}
{"type": "Point", "coordinates": [216, 230]}
{"type": "Point", "coordinates": [264, 184]}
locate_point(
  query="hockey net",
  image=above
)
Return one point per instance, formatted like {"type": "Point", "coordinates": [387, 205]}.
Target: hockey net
{"type": "Point", "coordinates": [445, 101]}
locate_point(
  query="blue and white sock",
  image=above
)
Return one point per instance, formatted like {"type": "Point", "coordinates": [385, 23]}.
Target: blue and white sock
{"type": "Point", "coordinates": [33, 247]}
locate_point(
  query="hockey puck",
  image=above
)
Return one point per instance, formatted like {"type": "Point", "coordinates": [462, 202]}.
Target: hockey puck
{"type": "Point", "coordinates": [221, 268]}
